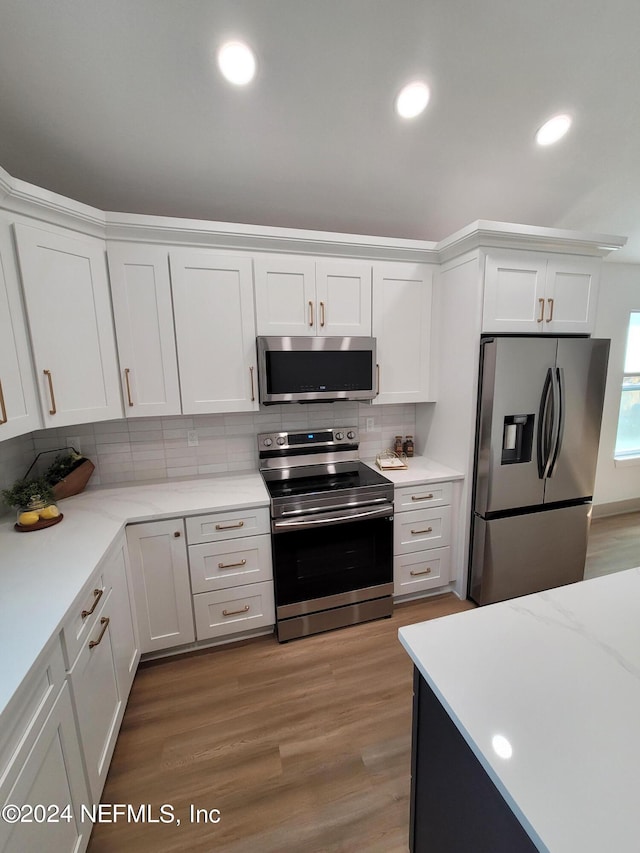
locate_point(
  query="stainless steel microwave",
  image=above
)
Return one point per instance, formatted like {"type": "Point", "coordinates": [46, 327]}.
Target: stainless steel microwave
{"type": "Point", "coordinates": [316, 369]}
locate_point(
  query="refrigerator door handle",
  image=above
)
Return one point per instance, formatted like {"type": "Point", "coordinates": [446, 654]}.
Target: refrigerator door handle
{"type": "Point", "coordinates": [545, 425]}
{"type": "Point", "coordinates": [558, 418]}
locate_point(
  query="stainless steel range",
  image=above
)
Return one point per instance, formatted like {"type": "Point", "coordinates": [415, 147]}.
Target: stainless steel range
{"type": "Point", "coordinates": [332, 531]}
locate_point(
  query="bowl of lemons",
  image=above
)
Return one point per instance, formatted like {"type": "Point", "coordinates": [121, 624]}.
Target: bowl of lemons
{"type": "Point", "coordinates": [37, 514]}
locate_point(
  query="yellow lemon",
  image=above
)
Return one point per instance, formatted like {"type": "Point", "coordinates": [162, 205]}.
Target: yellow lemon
{"type": "Point", "coordinates": [50, 511]}
{"type": "Point", "coordinates": [28, 518]}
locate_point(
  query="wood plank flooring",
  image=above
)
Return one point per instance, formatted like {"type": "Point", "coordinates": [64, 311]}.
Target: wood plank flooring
{"type": "Point", "coordinates": [303, 747]}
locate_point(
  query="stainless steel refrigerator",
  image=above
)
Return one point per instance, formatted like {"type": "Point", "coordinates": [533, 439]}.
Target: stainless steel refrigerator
{"type": "Point", "coordinates": [538, 428]}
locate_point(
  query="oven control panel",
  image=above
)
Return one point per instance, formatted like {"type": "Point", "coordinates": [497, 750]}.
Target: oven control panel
{"type": "Point", "coordinates": [308, 438]}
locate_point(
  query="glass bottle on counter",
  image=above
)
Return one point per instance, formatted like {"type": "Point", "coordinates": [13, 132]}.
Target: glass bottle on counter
{"type": "Point", "coordinates": [408, 446]}
{"type": "Point", "coordinates": [397, 447]}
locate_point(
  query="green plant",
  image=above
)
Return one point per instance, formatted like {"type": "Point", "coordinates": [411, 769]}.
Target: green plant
{"type": "Point", "coordinates": [62, 466]}
{"type": "Point", "coordinates": [22, 491]}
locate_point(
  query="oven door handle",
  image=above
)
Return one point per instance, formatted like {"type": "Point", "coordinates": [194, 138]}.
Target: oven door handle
{"type": "Point", "coordinates": [326, 518]}
{"type": "Point", "coordinates": [316, 509]}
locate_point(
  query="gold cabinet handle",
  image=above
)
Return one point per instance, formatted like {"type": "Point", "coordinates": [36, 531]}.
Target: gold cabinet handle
{"type": "Point", "coordinates": [377, 379]}
{"type": "Point", "coordinates": [426, 530]}
{"type": "Point", "coordinates": [53, 409]}
{"type": "Point", "coordinates": [541, 317]}
{"type": "Point", "coordinates": [128, 384]}
{"type": "Point", "coordinates": [232, 565]}
{"type": "Point", "coordinates": [550, 317]}
{"type": "Point", "coordinates": [245, 609]}
{"type": "Point", "coordinates": [310, 313]}
{"type": "Point", "coordinates": [428, 497]}
{"type": "Point", "coordinates": [3, 409]}
{"type": "Point", "coordinates": [253, 396]}
{"type": "Point", "coordinates": [422, 572]}
{"type": "Point", "coordinates": [104, 621]}
{"type": "Point", "coordinates": [322, 313]}
{"type": "Point", "coordinates": [177, 534]}
{"type": "Point", "coordinates": [97, 596]}
{"type": "Point", "coordinates": [229, 526]}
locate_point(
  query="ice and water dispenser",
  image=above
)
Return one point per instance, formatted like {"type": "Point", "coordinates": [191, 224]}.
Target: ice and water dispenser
{"type": "Point", "coordinates": [517, 439]}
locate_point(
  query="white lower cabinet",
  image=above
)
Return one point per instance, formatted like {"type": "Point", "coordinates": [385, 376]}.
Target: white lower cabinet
{"type": "Point", "coordinates": [102, 672]}
{"type": "Point", "coordinates": [231, 573]}
{"type": "Point", "coordinates": [160, 581]}
{"type": "Point", "coordinates": [422, 538]}
{"type": "Point", "coordinates": [41, 767]}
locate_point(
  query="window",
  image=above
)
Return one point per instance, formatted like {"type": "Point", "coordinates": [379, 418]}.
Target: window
{"type": "Point", "coordinates": [628, 438]}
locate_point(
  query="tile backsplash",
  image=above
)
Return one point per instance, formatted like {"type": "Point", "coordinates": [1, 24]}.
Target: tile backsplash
{"type": "Point", "coordinates": [138, 449]}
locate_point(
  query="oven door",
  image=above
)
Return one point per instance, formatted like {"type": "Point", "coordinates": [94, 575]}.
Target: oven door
{"type": "Point", "coordinates": [337, 557]}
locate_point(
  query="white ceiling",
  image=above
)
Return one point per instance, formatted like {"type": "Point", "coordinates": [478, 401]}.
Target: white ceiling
{"type": "Point", "coordinates": [118, 103]}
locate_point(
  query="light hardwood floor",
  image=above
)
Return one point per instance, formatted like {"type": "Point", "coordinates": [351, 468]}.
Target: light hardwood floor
{"type": "Point", "coordinates": [303, 747]}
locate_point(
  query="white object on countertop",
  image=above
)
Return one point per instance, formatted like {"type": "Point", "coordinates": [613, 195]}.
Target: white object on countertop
{"type": "Point", "coordinates": [556, 675]}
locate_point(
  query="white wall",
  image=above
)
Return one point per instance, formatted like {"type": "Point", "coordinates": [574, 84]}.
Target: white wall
{"type": "Point", "coordinates": [619, 295]}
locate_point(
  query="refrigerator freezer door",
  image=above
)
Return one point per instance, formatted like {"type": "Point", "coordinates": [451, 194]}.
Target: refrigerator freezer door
{"type": "Point", "coordinates": [521, 554]}
{"type": "Point", "coordinates": [581, 369]}
{"type": "Point", "coordinates": [512, 381]}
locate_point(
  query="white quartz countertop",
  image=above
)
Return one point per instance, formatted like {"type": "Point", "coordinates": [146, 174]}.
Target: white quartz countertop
{"type": "Point", "coordinates": [556, 674]}
{"type": "Point", "coordinates": [43, 571]}
{"type": "Point", "coordinates": [420, 471]}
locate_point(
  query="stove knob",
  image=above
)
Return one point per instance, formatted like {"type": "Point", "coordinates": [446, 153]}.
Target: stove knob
{"type": "Point", "coordinates": [351, 434]}
{"type": "Point", "coordinates": [339, 436]}
{"type": "Point", "coordinates": [268, 442]}
{"type": "Point", "coordinates": [280, 440]}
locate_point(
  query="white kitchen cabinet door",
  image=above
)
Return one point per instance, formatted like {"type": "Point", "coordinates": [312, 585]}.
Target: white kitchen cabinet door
{"type": "Point", "coordinates": [402, 294]}
{"type": "Point", "coordinates": [69, 313]}
{"type": "Point", "coordinates": [51, 775]}
{"type": "Point", "coordinates": [300, 296]}
{"type": "Point", "coordinates": [571, 294]}
{"type": "Point", "coordinates": [343, 298]}
{"type": "Point", "coordinates": [514, 292]}
{"type": "Point", "coordinates": [99, 706]}
{"type": "Point", "coordinates": [215, 331]}
{"type": "Point", "coordinates": [285, 288]}
{"type": "Point", "coordinates": [160, 582]}
{"type": "Point", "coordinates": [19, 407]}
{"type": "Point", "coordinates": [143, 313]}
{"type": "Point", "coordinates": [124, 640]}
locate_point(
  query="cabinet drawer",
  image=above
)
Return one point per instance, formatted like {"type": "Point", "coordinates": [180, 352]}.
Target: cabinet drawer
{"type": "Point", "coordinates": [227, 525]}
{"type": "Point", "coordinates": [229, 611]}
{"type": "Point", "coordinates": [420, 529]}
{"type": "Point", "coordinates": [219, 565]}
{"type": "Point", "coordinates": [416, 497]}
{"type": "Point", "coordinates": [421, 570]}
{"type": "Point", "coordinates": [83, 615]}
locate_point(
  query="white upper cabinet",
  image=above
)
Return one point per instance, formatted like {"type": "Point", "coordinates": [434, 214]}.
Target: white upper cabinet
{"type": "Point", "coordinates": [19, 409]}
{"type": "Point", "coordinates": [215, 331]}
{"type": "Point", "coordinates": [303, 296]}
{"type": "Point", "coordinates": [143, 313]}
{"type": "Point", "coordinates": [66, 291]}
{"type": "Point", "coordinates": [531, 292]}
{"type": "Point", "coordinates": [402, 294]}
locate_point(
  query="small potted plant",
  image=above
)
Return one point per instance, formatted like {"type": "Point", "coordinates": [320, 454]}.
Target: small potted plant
{"type": "Point", "coordinates": [34, 503]}
{"type": "Point", "coordinates": [68, 474]}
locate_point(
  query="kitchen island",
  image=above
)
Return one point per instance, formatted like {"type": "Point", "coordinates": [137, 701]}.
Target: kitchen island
{"type": "Point", "coordinates": [526, 732]}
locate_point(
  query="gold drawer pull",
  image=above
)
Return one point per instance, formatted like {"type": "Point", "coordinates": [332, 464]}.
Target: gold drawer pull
{"type": "Point", "coordinates": [423, 572]}
{"type": "Point", "coordinates": [322, 313]}
{"type": "Point", "coordinates": [229, 526]}
{"type": "Point", "coordinates": [310, 313]}
{"type": "Point", "coordinates": [426, 530]}
{"type": "Point", "coordinates": [98, 595]}
{"type": "Point", "coordinates": [245, 609]}
{"type": "Point", "coordinates": [104, 621]}
{"type": "Point", "coordinates": [128, 384]}
{"type": "Point", "coordinates": [232, 565]}
{"type": "Point", "coordinates": [53, 409]}
{"type": "Point", "coordinates": [541, 317]}
{"type": "Point", "coordinates": [422, 497]}
{"type": "Point", "coordinates": [3, 409]}
{"type": "Point", "coordinates": [253, 393]}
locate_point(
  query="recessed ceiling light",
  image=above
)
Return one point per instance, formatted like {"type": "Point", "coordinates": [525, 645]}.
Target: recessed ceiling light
{"type": "Point", "coordinates": [412, 100]}
{"type": "Point", "coordinates": [553, 130]}
{"type": "Point", "coordinates": [237, 62]}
